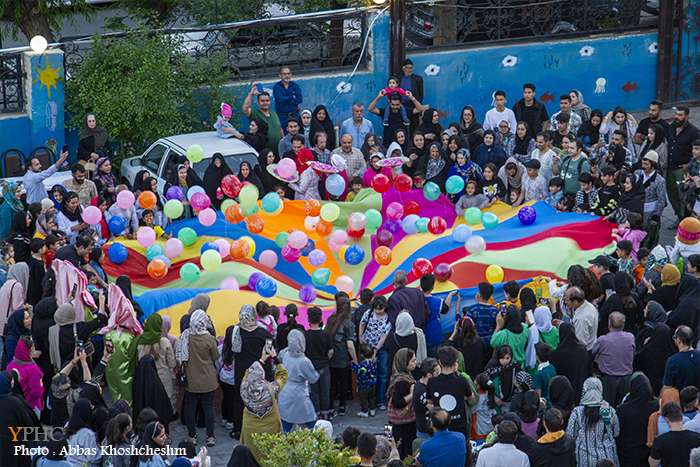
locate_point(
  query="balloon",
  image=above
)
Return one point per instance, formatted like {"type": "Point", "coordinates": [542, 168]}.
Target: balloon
{"type": "Point", "coordinates": [164, 259]}
{"type": "Point", "coordinates": [187, 236]}
{"type": "Point", "coordinates": [335, 184]}
{"type": "Point", "coordinates": [251, 245]}
{"type": "Point", "coordinates": [357, 221]}
{"type": "Point", "coordinates": [384, 237]}
{"type": "Point", "coordinates": [490, 220]}
{"type": "Point", "coordinates": [173, 248]}
{"type": "Point", "coordinates": [354, 255]}
{"type": "Point", "coordinates": [311, 222]}
{"type": "Point", "coordinates": [195, 153]}
{"type": "Point", "coordinates": [271, 202]}
{"type": "Point", "coordinates": [437, 225]}
{"type": "Point", "coordinates": [310, 246]}
{"type": "Point", "coordinates": [412, 207]}
{"type": "Point", "coordinates": [219, 194]}
{"type": "Point", "coordinates": [193, 191]}
{"type": "Point", "coordinates": [231, 186]}
{"type": "Point", "coordinates": [475, 244]}
{"type": "Point", "coordinates": [403, 183]}
{"type": "Point", "coordinates": [382, 255]}
{"type": "Point", "coordinates": [239, 249]}
{"type": "Point", "coordinates": [281, 239]}
{"type": "Point", "coordinates": [253, 279]}
{"type": "Point", "coordinates": [255, 223]}
{"type": "Point", "coordinates": [147, 199]}
{"type": "Point", "coordinates": [92, 215]}
{"type": "Point", "coordinates": [153, 251]}
{"type": "Point", "coordinates": [210, 260]}
{"type": "Point", "coordinates": [527, 215]}
{"type": "Point", "coordinates": [339, 236]}
{"type": "Point", "coordinates": [307, 293]}
{"type": "Point", "coordinates": [157, 269]}
{"type": "Point", "coordinates": [230, 283]}
{"type": "Point", "coordinates": [324, 228]}
{"type": "Point", "coordinates": [116, 225]}
{"type": "Point", "coordinates": [234, 214]}
{"type": "Point", "coordinates": [408, 224]}
{"type": "Point", "coordinates": [472, 215]}
{"type": "Point", "coordinates": [320, 277]}
{"type": "Point", "coordinates": [312, 207]}
{"type": "Point", "coordinates": [431, 191]}
{"type": "Point", "coordinates": [443, 272]}
{"type": "Point", "coordinates": [207, 217]}
{"type": "Point", "coordinates": [317, 257]}
{"type": "Point", "coordinates": [330, 212]}
{"type": "Point", "coordinates": [461, 233]}
{"type": "Point", "coordinates": [394, 211]}
{"type": "Point", "coordinates": [224, 247]}
{"type": "Point", "coordinates": [174, 193]}
{"type": "Point", "coordinates": [355, 234]}
{"type": "Point", "coordinates": [208, 246]}
{"type": "Point", "coordinates": [268, 258]}
{"type": "Point", "coordinates": [421, 267]}
{"type": "Point", "coordinates": [373, 219]}
{"type": "Point", "coordinates": [189, 272]}
{"type": "Point", "coordinates": [494, 274]}
{"type": "Point", "coordinates": [200, 201]}
{"type": "Point", "coordinates": [146, 236]}
{"type": "Point", "coordinates": [298, 239]}
{"type": "Point", "coordinates": [173, 209]}
{"type": "Point", "coordinates": [454, 184]}
{"type": "Point", "coordinates": [117, 253]}
{"type": "Point", "coordinates": [249, 194]}
{"type": "Point", "coordinates": [266, 287]}
{"type": "Point", "coordinates": [290, 254]}
{"type": "Point", "coordinates": [381, 183]}
{"type": "Point", "coordinates": [345, 284]}
{"type": "Point", "coordinates": [422, 224]}
{"type": "Point", "coordinates": [125, 199]}
{"type": "Point", "coordinates": [225, 204]}
{"type": "Point", "coordinates": [392, 226]}
{"type": "Point", "coordinates": [286, 167]}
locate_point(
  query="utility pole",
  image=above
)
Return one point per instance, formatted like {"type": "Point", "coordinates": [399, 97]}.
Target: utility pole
{"type": "Point", "coordinates": [398, 35]}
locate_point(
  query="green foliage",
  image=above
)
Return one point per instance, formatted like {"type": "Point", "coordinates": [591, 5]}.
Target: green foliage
{"type": "Point", "coordinates": [33, 17]}
{"type": "Point", "coordinates": [301, 448]}
{"type": "Point", "coordinates": [156, 13]}
{"type": "Point", "coordinates": [143, 87]}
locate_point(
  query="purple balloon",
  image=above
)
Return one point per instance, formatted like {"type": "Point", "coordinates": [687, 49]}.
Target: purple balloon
{"type": "Point", "coordinates": [317, 257]}
{"type": "Point", "coordinates": [384, 237]}
{"type": "Point", "coordinates": [393, 226]}
{"type": "Point", "coordinates": [527, 215]}
{"type": "Point", "coordinates": [307, 293]}
{"type": "Point", "coordinates": [174, 192]}
{"type": "Point", "coordinates": [253, 279]}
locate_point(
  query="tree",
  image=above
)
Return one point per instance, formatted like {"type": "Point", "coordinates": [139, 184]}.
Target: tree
{"type": "Point", "coordinates": [301, 448]}
{"type": "Point", "coordinates": [39, 17]}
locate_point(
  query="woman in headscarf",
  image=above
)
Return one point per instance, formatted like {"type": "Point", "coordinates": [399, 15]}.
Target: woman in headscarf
{"type": "Point", "coordinates": [654, 345]}
{"type": "Point", "coordinates": [70, 219]}
{"type": "Point", "coordinates": [23, 229]}
{"type": "Point", "coordinates": [197, 351]}
{"type": "Point", "coordinates": [578, 106]}
{"type": "Point", "coordinates": [401, 138]}
{"type": "Point", "coordinates": [634, 414]}
{"type": "Point", "coordinates": [619, 119]}
{"type": "Point", "coordinates": [105, 180]}
{"type": "Point", "coordinates": [400, 411]}
{"type": "Point", "coordinates": [242, 457]}
{"type": "Point", "coordinates": [434, 166]}
{"type": "Point", "coordinates": [321, 122]}
{"type": "Point", "coordinates": [430, 126]}
{"type": "Point", "coordinates": [167, 324]}
{"type": "Point", "coordinates": [267, 157]}
{"type": "Point", "coordinates": [13, 413]}
{"type": "Point", "coordinates": [548, 333]}
{"type": "Point", "coordinates": [11, 204]}
{"type": "Point", "coordinates": [471, 131]}
{"type": "Point", "coordinates": [140, 181]}
{"type": "Point", "coordinates": [657, 425]}
{"type": "Point", "coordinates": [405, 334]}
{"type": "Point", "coordinates": [30, 375]}
{"type": "Point", "coordinates": [261, 412]}
{"type": "Point", "coordinates": [373, 168]}
{"type": "Point", "coordinates": [149, 390]}
{"type": "Point", "coordinates": [93, 140]}
{"type": "Point", "coordinates": [655, 140]}
{"type": "Point", "coordinates": [593, 425]}
{"type": "Point", "coordinates": [18, 325]}
{"type": "Point", "coordinates": [369, 145]}
{"type": "Point", "coordinates": [124, 283]}
{"type": "Point", "coordinates": [308, 185]}
{"type": "Point", "coordinates": [512, 332]}
{"type": "Point", "coordinates": [511, 174]}
{"type": "Point", "coordinates": [623, 300]}
{"type": "Point", "coordinates": [181, 179]}
{"type": "Point", "coordinates": [256, 135]}
{"type": "Point", "coordinates": [465, 169]}
{"type": "Point", "coordinates": [153, 343]}
{"type": "Point", "coordinates": [199, 302]}
{"type": "Point", "coordinates": [41, 323]}
{"type": "Point", "coordinates": [562, 395]}
{"type": "Point", "coordinates": [488, 151]}
{"type": "Point", "coordinates": [523, 144]}
{"type": "Point", "coordinates": [13, 293]}
{"type": "Point", "coordinates": [305, 123]}
{"type": "Point", "coordinates": [84, 448]}
{"type": "Point", "coordinates": [217, 170]}
{"type": "Point", "coordinates": [590, 135]}
{"type": "Point", "coordinates": [465, 339]}
{"type": "Point", "coordinates": [571, 358]}
{"type": "Point", "coordinates": [295, 403]}
{"type": "Point", "coordinates": [57, 195]}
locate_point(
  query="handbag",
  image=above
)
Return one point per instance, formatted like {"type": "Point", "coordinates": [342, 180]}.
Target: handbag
{"type": "Point", "coordinates": [181, 374]}
{"type": "Point", "coordinates": [227, 375]}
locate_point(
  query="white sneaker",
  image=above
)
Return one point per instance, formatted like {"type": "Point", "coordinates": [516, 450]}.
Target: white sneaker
{"type": "Point", "coordinates": [229, 426]}
{"type": "Point", "coordinates": [372, 413]}
{"type": "Point", "coordinates": [362, 414]}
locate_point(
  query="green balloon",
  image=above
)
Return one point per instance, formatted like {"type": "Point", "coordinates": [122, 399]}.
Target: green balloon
{"type": "Point", "coordinates": [248, 195]}
{"type": "Point", "coordinates": [250, 209]}
{"type": "Point", "coordinates": [173, 209]}
{"type": "Point", "coordinates": [187, 236]}
{"type": "Point", "coordinates": [431, 191]}
{"type": "Point", "coordinates": [320, 277]}
{"type": "Point", "coordinates": [281, 239]}
{"type": "Point", "coordinates": [373, 220]}
{"type": "Point", "coordinates": [195, 153]}
{"type": "Point", "coordinates": [454, 184]}
{"type": "Point", "coordinates": [472, 215]}
{"type": "Point", "coordinates": [210, 260]}
{"type": "Point", "coordinates": [189, 272]}
{"type": "Point", "coordinates": [490, 220]}
{"type": "Point", "coordinates": [227, 203]}
{"type": "Point", "coordinates": [422, 224]}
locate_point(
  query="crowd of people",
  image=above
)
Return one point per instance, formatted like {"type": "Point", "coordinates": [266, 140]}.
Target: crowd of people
{"type": "Point", "coordinates": [602, 372]}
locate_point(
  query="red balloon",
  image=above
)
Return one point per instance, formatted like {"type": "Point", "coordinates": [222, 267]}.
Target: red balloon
{"type": "Point", "coordinates": [412, 207]}
{"type": "Point", "coordinates": [437, 225]}
{"type": "Point", "coordinates": [381, 183]}
{"type": "Point", "coordinates": [421, 267]}
{"type": "Point", "coordinates": [443, 272]}
{"type": "Point", "coordinates": [384, 237]}
{"type": "Point", "coordinates": [355, 234]}
{"type": "Point", "coordinates": [231, 186]}
{"type": "Point", "coordinates": [403, 183]}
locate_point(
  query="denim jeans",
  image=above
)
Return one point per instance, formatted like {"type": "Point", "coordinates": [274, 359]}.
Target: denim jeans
{"type": "Point", "coordinates": [287, 427]}
{"type": "Point", "coordinates": [320, 391]}
{"type": "Point", "coordinates": [207, 399]}
{"type": "Point", "coordinates": [382, 375]}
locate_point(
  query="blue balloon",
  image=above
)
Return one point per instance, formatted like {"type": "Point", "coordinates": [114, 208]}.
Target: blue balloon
{"type": "Point", "coordinates": [392, 226]}
{"type": "Point", "coordinates": [354, 255]}
{"type": "Point", "coordinates": [209, 246]}
{"type": "Point", "coordinates": [320, 276]}
{"type": "Point", "coordinates": [117, 225]}
{"type": "Point", "coordinates": [271, 202]}
{"type": "Point", "coordinates": [153, 251]}
{"type": "Point", "coordinates": [335, 184]}
{"type": "Point", "coordinates": [527, 215]}
{"type": "Point", "coordinates": [310, 246]}
{"type": "Point", "coordinates": [266, 287]}
{"type": "Point", "coordinates": [461, 233]}
{"type": "Point", "coordinates": [117, 253]}
{"type": "Point", "coordinates": [408, 224]}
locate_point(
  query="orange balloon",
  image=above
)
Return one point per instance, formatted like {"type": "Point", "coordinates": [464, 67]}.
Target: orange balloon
{"type": "Point", "coordinates": [255, 223]}
{"type": "Point", "coordinates": [239, 249]}
{"type": "Point", "coordinates": [382, 255]}
{"type": "Point", "coordinates": [324, 228]}
{"type": "Point", "coordinates": [234, 214]}
{"type": "Point", "coordinates": [157, 269]}
{"type": "Point", "coordinates": [312, 207]}
{"type": "Point", "coordinates": [147, 199]}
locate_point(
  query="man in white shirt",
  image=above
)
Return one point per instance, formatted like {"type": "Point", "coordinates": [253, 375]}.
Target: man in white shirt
{"type": "Point", "coordinates": [585, 316]}
{"type": "Point", "coordinates": [503, 453]}
{"type": "Point", "coordinates": [499, 113]}
{"type": "Point", "coordinates": [549, 161]}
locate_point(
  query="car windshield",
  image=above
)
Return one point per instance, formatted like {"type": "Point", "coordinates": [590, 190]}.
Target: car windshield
{"type": "Point", "coordinates": [232, 160]}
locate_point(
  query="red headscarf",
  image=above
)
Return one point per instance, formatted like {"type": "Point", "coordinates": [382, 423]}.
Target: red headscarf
{"type": "Point", "coordinates": [305, 155]}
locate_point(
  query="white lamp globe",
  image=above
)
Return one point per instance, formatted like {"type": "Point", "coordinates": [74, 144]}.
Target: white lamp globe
{"type": "Point", "coordinates": [38, 44]}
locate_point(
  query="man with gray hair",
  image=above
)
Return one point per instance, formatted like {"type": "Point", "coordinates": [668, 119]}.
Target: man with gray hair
{"type": "Point", "coordinates": [357, 126]}
{"type": "Point", "coordinates": [504, 451]}
{"type": "Point", "coordinates": [614, 354]}
{"type": "Point", "coordinates": [409, 298]}
{"type": "Point", "coordinates": [585, 316]}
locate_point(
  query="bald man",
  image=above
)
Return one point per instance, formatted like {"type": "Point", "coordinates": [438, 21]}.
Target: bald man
{"type": "Point", "coordinates": [614, 354]}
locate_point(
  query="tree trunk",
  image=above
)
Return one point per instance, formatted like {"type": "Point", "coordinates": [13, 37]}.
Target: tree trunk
{"type": "Point", "coordinates": [336, 41]}
{"type": "Point", "coordinates": [33, 21]}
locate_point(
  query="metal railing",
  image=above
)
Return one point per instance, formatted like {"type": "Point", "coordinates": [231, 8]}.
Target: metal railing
{"type": "Point", "coordinates": [11, 83]}
{"type": "Point", "coordinates": [455, 22]}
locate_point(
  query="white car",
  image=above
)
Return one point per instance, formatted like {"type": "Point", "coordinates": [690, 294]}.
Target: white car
{"type": "Point", "coordinates": [163, 156]}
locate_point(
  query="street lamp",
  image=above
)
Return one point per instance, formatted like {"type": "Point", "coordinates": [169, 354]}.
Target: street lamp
{"type": "Point", "coordinates": [379, 2]}
{"type": "Point", "coordinates": [38, 44]}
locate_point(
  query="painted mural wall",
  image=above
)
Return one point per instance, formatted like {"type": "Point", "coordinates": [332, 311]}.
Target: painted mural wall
{"type": "Point", "coordinates": [689, 70]}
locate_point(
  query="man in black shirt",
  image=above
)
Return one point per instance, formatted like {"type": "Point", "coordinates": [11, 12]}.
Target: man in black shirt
{"type": "Point", "coordinates": [672, 449]}
{"type": "Point", "coordinates": [654, 118]}
{"type": "Point", "coordinates": [37, 270]}
{"type": "Point", "coordinates": [450, 391]}
{"type": "Point", "coordinates": [562, 131]}
{"type": "Point", "coordinates": [681, 135]}
{"type": "Point", "coordinates": [530, 111]}
{"type": "Point", "coordinates": [395, 121]}
{"type": "Point", "coordinates": [76, 253]}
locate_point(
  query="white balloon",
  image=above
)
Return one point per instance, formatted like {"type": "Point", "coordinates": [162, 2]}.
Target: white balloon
{"type": "Point", "coordinates": [38, 44]}
{"type": "Point", "coordinates": [475, 244]}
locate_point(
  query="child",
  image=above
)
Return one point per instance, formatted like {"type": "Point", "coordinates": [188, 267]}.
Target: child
{"type": "Point", "coordinates": [586, 196]}
{"type": "Point", "coordinates": [486, 407]}
{"type": "Point", "coordinates": [355, 187]}
{"type": "Point", "coordinates": [502, 371]}
{"type": "Point", "coordinates": [291, 312]}
{"type": "Point", "coordinates": [30, 375]}
{"type": "Point", "coordinates": [556, 192]}
{"type": "Point", "coordinates": [515, 198]}
{"type": "Point", "coordinates": [418, 180]}
{"type": "Point", "coordinates": [366, 373]}
{"type": "Point", "coordinates": [567, 203]}
{"type": "Point", "coordinates": [470, 199]}
{"type": "Point", "coordinates": [533, 183]}
{"type": "Point", "coordinates": [631, 229]}
{"type": "Point", "coordinates": [609, 195]}
{"type": "Point", "coordinates": [391, 89]}
{"type": "Point", "coordinates": [264, 318]}
{"type": "Point", "coordinates": [53, 243]}
{"type": "Point", "coordinates": [148, 218]}
{"type": "Point", "coordinates": [624, 256]}
{"type": "Point", "coordinates": [279, 189]}
{"type": "Point", "coordinates": [491, 185]}
{"type": "Point", "coordinates": [545, 370]}
{"type": "Point", "coordinates": [640, 268]}
{"type": "Point", "coordinates": [223, 127]}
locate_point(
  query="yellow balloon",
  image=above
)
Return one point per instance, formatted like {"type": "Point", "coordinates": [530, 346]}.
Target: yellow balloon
{"type": "Point", "coordinates": [251, 245]}
{"type": "Point", "coordinates": [341, 252]}
{"type": "Point", "coordinates": [494, 274]}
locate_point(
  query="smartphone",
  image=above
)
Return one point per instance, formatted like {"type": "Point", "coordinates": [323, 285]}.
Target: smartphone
{"type": "Point", "coordinates": [268, 345]}
{"type": "Point", "coordinates": [387, 431]}
{"type": "Point", "coordinates": [88, 348]}
{"type": "Point", "coordinates": [74, 290]}
{"type": "Point", "coordinates": [109, 347]}
{"type": "Point", "coordinates": [64, 148]}
{"type": "Point", "coordinates": [259, 87]}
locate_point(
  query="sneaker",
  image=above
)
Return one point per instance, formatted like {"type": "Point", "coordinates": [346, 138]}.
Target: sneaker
{"type": "Point", "coordinates": [372, 412]}
{"type": "Point", "coordinates": [362, 414]}
{"type": "Point", "coordinates": [341, 411]}
{"type": "Point", "coordinates": [381, 407]}
{"type": "Point", "coordinates": [235, 434]}
{"type": "Point", "coordinates": [211, 441]}
{"type": "Point", "coordinates": [229, 426]}
{"type": "Point", "coordinates": [191, 439]}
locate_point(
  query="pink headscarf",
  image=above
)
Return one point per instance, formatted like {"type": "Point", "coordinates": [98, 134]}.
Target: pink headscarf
{"type": "Point", "coordinates": [122, 314]}
{"type": "Point", "coordinates": [29, 375]}
{"type": "Point", "coordinates": [226, 110]}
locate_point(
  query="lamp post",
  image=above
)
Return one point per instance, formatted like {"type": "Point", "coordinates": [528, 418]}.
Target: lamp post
{"type": "Point", "coordinates": [398, 35]}
{"type": "Point", "coordinates": [38, 44]}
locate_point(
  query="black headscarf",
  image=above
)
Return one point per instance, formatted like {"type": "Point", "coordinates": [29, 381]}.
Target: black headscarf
{"type": "Point", "coordinates": [427, 125]}
{"type": "Point", "coordinates": [562, 394]}
{"type": "Point", "coordinates": [15, 325]}
{"type": "Point", "coordinates": [590, 131]}
{"type": "Point", "coordinates": [242, 457]}
{"type": "Point", "coordinates": [528, 301]}
{"type": "Point", "coordinates": [90, 392]}
{"type": "Point", "coordinates": [633, 415]}
{"type": "Point", "coordinates": [74, 216]}
{"type": "Point", "coordinates": [149, 390]}
{"type": "Point", "coordinates": [213, 176]}
{"type": "Point", "coordinates": [251, 178]}
{"type": "Point", "coordinates": [632, 200]}
{"type": "Point", "coordinates": [571, 358]}
{"type": "Point", "coordinates": [522, 145]}
{"type": "Point", "coordinates": [512, 322]}
{"type": "Point", "coordinates": [81, 417]}
{"type": "Point", "coordinates": [266, 178]}
{"type": "Point", "coordinates": [124, 283]}
{"type": "Point", "coordinates": [258, 139]}
{"type": "Point", "coordinates": [325, 126]}
{"type": "Point", "coordinates": [19, 224]}
{"type": "Point", "coordinates": [147, 187]}
{"type": "Point", "coordinates": [140, 183]}
{"type": "Point", "coordinates": [654, 345]}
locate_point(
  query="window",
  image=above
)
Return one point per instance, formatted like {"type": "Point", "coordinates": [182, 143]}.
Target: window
{"type": "Point", "coordinates": [152, 158]}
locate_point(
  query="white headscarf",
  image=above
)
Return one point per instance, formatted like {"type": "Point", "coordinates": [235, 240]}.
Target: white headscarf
{"type": "Point", "coordinates": [199, 323]}
{"type": "Point", "coordinates": [405, 326]}
{"type": "Point", "coordinates": [543, 318]}
{"type": "Point", "coordinates": [247, 319]}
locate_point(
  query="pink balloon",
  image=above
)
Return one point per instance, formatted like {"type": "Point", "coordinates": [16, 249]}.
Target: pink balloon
{"type": "Point", "coordinates": [125, 199]}
{"type": "Point", "coordinates": [317, 257]}
{"type": "Point", "coordinates": [339, 237]}
{"type": "Point", "coordinates": [298, 239]}
{"type": "Point", "coordinates": [173, 248]}
{"type": "Point", "coordinates": [268, 258]}
{"type": "Point", "coordinates": [345, 284]}
{"type": "Point", "coordinates": [290, 254]}
{"type": "Point", "coordinates": [92, 215]}
{"type": "Point", "coordinates": [334, 247]}
{"type": "Point", "coordinates": [146, 236]}
{"type": "Point", "coordinates": [200, 201]}
{"type": "Point", "coordinates": [394, 211]}
{"type": "Point", "coordinates": [286, 167]}
{"type": "Point", "coordinates": [230, 283]}
{"type": "Point", "coordinates": [207, 217]}
{"type": "Point", "coordinates": [224, 247]}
